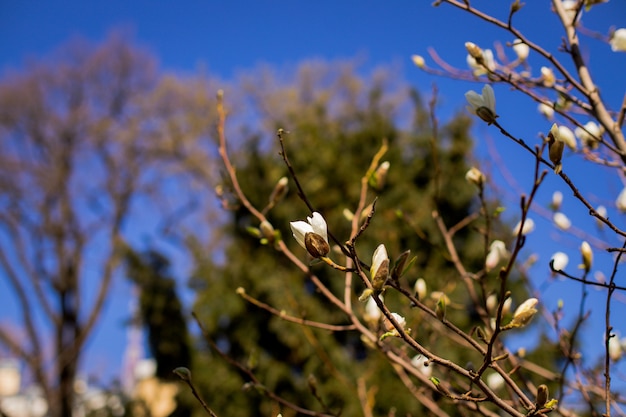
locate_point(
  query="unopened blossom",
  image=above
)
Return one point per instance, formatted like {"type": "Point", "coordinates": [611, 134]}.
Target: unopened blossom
{"type": "Point", "coordinates": [495, 381]}
{"type": "Point", "coordinates": [421, 363]}
{"type": "Point", "coordinates": [475, 176]}
{"type": "Point", "coordinates": [589, 135]}
{"type": "Point", "coordinates": [601, 210]}
{"type": "Point", "coordinates": [555, 147]}
{"type": "Point", "coordinates": [561, 221]}
{"type": "Point", "coordinates": [557, 200]}
{"type": "Point", "coordinates": [312, 235]}
{"type": "Point", "coordinates": [492, 304]}
{"type": "Point", "coordinates": [547, 77]}
{"type": "Point", "coordinates": [521, 49]}
{"type": "Point", "coordinates": [587, 255]}
{"type": "Point", "coordinates": [418, 60]}
{"type": "Point", "coordinates": [483, 105]}
{"type": "Point", "coordinates": [380, 176]}
{"type": "Point", "coordinates": [546, 109]}
{"type": "Point", "coordinates": [480, 63]}
{"type": "Point", "coordinates": [401, 321]}
{"type": "Point", "coordinates": [542, 396]}
{"type": "Point", "coordinates": [618, 40]}
{"type": "Point", "coordinates": [372, 312]}
{"type": "Point", "coordinates": [570, 7]}
{"type": "Point", "coordinates": [620, 203]}
{"type": "Point", "coordinates": [529, 226]}
{"type": "Point", "coordinates": [523, 314]}
{"type": "Point", "coordinates": [420, 288]}
{"type": "Point", "coordinates": [380, 268]}
{"type": "Point", "coordinates": [559, 261]}
{"type": "Point", "coordinates": [615, 348]}
{"type": "Point", "coordinates": [497, 252]}
{"type": "Point", "coordinates": [279, 191]}
{"type": "Point", "coordinates": [567, 137]}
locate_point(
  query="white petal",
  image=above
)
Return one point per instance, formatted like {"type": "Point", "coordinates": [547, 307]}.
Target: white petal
{"type": "Point", "coordinates": [559, 261]}
{"type": "Point", "coordinates": [319, 225]}
{"type": "Point", "coordinates": [474, 99]}
{"type": "Point", "coordinates": [489, 98]}
{"type": "Point", "coordinates": [380, 254]}
{"type": "Point", "coordinates": [299, 229]}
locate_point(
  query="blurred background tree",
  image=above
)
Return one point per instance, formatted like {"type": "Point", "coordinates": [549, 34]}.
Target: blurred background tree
{"type": "Point", "coordinates": [82, 135]}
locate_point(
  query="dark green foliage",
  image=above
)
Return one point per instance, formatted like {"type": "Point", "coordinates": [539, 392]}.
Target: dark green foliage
{"type": "Point", "coordinates": [160, 311]}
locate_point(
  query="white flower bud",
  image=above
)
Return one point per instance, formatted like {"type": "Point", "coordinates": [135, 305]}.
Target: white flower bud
{"type": "Point", "coordinates": [561, 221]}
{"type": "Point", "coordinates": [529, 226]}
{"type": "Point", "coordinates": [475, 176]}
{"type": "Point", "coordinates": [546, 109]}
{"type": "Point", "coordinates": [521, 49]}
{"type": "Point", "coordinates": [620, 203]}
{"type": "Point", "coordinates": [557, 200]}
{"type": "Point", "coordinates": [420, 288]}
{"type": "Point", "coordinates": [418, 60]}
{"type": "Point", "coordinates": [587, 254]}
{"type": "Point", "coordinates": [618, 40]}
{"type": "Point", "coordinates": [559, 261]}
{"type": "Point", "coordinates": [547, 77]}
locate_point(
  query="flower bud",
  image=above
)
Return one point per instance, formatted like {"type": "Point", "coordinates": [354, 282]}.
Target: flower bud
{"type": "Point", "coordinates": [557, 200]}
{"type": "Point", "coordinates": [620, 203]}
{"type": "Point", "coordinates": [542, 396]}
{"type": "Point", "coordinates": [521, 49]}
{"type": "Point", "coordinates": [547, 77]}
{"type": "Point", "coordinates": [559, 261]}
{"type": "Point", "coordinates": [316, 245]}
{"type": "Point", "coordinates": [380, 268]}
{"type": "Point", "coordinates": [279, 192]}
{"type": "Point", "coordinates": [420, 288]}
{"type": "Point", "coordinates": [587, 255]}
{"type": "Point", "coordinates": [418, 60]}
{"type": "Point", "coordinates": [440, 308]}
{"type": "Point", "coordinates": [475, 176]}
{"type": "Point", "coordinates": [523, 314]}
{"type": "Point", "coordinates": [529, 226]}
{"type": "Point", "coordinates": [474, 51]}
{"type": "Point", "coordinates": [546, 109]}
{"type": "Point", "coordinates": [380, 176]}
{"type": "Point", "coordinates": [561, 221]}
{"type": "Point", "coordinates": [555, 148]}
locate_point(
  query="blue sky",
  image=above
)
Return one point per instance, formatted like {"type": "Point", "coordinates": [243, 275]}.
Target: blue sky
{"type": "Point", "coordinates": [229, 37]}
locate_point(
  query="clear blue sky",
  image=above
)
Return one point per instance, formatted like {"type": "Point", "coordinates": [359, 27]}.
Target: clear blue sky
{"type": "Point", "coordinates": [231, 36]}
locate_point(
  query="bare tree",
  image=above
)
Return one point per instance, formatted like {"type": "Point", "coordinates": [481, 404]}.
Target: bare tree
{"type": "Point", "coordinates": [79, 139]}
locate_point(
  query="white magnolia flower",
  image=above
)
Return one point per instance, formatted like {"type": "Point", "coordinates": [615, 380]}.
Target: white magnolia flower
{"type": "Point", "coordinates": [621, 201]}
{"type": "Point", "coordinates": [483, 105]}
{"type": "Point", "coordinates": [521, 49]}
{"type": "Point", "coordinates": [497, 252]}
{"type": "Point", "coordinates": [561, 221]}
{"type": "Point", "coordinates": [559, 261]}
{"type": "Point", "coordinates": [618, 40]}
{"type": "Point", "coordinates": [529, 226]}
{"type": "Point", "coordinates": [547, 77]}
{"type": "Point", "coordinates": [313, 236]}
{"type": "Point", "coordinates": [546, 109]}
{"type": "Point", "coordinates": [567, 137]}
{"type": "Point", "coordinates": [589, 135]}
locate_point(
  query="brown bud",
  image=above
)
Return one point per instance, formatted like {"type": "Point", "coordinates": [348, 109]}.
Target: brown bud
{"type": "Point", "coordinates": [316, 245]}
{"type": "Point", "coordinates": [542, 396]}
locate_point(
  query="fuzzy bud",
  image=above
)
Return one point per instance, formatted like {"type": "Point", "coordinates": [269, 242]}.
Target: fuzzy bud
{"type": "Point", "coordinates": [316, 245]}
